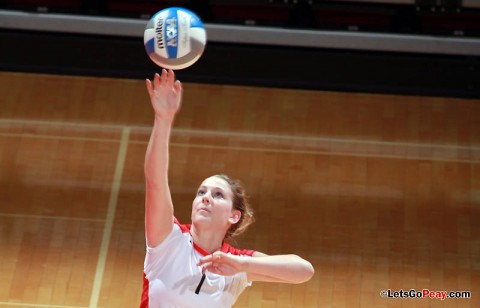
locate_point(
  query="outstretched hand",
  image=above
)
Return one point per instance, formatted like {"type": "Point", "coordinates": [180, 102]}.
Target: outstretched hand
{"type": "Point", "coordinates": [165, 94]}
{"type": "Point", "coordinates": [222, 263]}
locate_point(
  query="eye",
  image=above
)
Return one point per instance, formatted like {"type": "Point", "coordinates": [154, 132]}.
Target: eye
{"type": "Point", "coordinates": [200, 192]}
{"type": "Point", "coordinates": [218, 195]}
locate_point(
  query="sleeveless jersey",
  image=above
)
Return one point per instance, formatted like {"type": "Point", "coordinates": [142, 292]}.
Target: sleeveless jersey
{"type": "Point", "coordinates": [171, 275]}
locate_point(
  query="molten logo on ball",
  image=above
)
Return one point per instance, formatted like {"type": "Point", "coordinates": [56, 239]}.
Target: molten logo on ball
{"type": "Point", "coordinates": [174, 38]}
{"type": "Point", "coordinates": [159, 33]}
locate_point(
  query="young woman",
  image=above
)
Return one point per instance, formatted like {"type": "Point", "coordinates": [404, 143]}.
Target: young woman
{"type": "Point", "coordinates": [192, 265]}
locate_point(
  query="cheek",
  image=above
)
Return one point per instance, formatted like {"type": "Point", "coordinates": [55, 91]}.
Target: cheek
{"type": "Point", "coordinates": [225, 207]}
{"type": "Point", "coordinates": [195, 202]}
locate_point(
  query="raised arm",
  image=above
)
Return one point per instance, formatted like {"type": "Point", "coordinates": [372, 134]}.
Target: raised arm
{"type": "Point", "coordinates": [165, 95]}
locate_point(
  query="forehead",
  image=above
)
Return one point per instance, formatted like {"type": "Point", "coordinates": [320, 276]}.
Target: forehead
{"type": "Point", "coordinates": [216, 182]}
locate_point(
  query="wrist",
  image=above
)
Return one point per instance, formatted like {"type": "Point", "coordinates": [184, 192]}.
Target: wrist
{"type": "Point", "coordinates": [164, 119]}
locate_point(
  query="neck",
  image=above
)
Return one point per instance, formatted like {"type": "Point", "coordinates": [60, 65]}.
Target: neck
{"type": "Point", "coordinates": [210, 241]}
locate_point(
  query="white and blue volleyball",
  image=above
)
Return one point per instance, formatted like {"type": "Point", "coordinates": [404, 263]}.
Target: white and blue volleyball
{"type": "Point", "coordinates": [175, 38]}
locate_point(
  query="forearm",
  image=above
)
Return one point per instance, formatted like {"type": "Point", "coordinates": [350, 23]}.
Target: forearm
{"type": "Point", "coordinates": [157, 154]}
{"type": "Point", "coordinates": [279, 268]}
{"type": "Point", "coordinates": [158, 202]}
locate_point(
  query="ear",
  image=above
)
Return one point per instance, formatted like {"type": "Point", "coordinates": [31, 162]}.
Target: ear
{"type": "Point", "coordinates": [235, 217]}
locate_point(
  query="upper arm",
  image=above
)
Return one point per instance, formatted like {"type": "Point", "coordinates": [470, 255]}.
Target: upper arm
{"type": "Point", "coordinates": [158, 214]}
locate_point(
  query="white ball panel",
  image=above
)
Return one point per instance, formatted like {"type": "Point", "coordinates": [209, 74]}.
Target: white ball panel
{"type": "Point", "coordinates": [190, 42]}
{"type": "Point", "coordinates": [199, 35]}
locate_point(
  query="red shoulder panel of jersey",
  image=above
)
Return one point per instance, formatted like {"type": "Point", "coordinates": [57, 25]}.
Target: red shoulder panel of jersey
{"type": "Point", "coordinates": [226, 248]}
{"type": "Point", "coordinates": [184, 228]}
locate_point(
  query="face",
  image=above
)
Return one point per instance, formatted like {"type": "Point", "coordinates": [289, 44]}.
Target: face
{"type": "Point", "coordinates": [213, 204]}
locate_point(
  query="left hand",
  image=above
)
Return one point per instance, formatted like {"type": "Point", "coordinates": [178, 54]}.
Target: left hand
{"type": "Point", "coordinates": [165, 94]}
{"type": "Point", "coordinates": [221, 263]}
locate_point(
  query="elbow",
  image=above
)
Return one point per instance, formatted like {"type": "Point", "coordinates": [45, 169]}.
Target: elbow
{"type": "Point", "coordinates": [307, 272]}
{"type": "Point", "coordinates": [310, 271]}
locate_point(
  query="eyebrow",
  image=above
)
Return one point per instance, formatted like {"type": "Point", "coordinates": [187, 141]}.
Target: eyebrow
{"type": "Point", "coordinates": [215, 187]}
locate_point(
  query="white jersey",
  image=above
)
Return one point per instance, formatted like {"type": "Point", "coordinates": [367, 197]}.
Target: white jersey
{"type": "Point", "coordinates": [171, 275]}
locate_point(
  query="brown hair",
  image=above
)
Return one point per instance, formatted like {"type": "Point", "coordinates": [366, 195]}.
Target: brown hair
{"type": "Point", "coordinates": [240, 203]}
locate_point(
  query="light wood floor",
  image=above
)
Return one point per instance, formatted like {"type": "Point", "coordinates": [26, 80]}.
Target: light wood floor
{"type": "Point", "coordinates": [377, 191]}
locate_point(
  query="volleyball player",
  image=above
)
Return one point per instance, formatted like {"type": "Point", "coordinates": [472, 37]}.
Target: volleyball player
{"type": "Point", "coordinates": [191, 265]}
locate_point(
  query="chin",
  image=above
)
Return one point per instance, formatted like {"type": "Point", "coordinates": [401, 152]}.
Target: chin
{"type": "Point", "coordinates": [199, 218]}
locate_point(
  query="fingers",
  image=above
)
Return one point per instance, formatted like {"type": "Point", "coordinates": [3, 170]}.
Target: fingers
{"type": "Point", "coordinates": [205, 263]}
{"type": "Point", "coordinates": [210, 259]}
{"type": "Point", "coordinates": [207, 266]}
{"type": "Point", "coordinates": [156, 81]}
{"type": "Point", "coordinates": [178, 86]}
{"type": "Point", "coordinates": [205, 260]}
{"type": "Point", "coordinates": [219, 263]}
{"type": "Point", "coordinates": [166, 78]}
{"type": "Point", "coordinates": [212, 268]}
{"type": "Point", "coordinates": [149, 86]}
{"type": "Point", "coordinates": [170, 78]}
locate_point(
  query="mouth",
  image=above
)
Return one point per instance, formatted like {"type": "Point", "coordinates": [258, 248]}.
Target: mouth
{"type": "Point", "coordinates": [204, 209]}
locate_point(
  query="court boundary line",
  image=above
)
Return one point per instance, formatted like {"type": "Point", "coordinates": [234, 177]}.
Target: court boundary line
{"type": "Point", "coordinates": [56, 137]}
{"type": "Point", "coordinates": [110, 217]}
{"type": "Point", "coordinates": [39, 216]}
{"type": "Point", "coordinates": [276, 140]}
{"type": "Point", "coordinates": [265, 149]}
{"type": "Point", "coordinates": [39, 305]}
{"type": "Point", "coordinates": [204, 132]}
{"type": "Point", "coordinates": [325, 153]}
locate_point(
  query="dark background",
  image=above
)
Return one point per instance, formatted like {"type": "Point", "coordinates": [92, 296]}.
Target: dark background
{"type": "Point", "coordinates": [264, 65]}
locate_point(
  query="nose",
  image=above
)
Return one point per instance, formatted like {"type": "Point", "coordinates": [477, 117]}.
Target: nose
{"type": "Point", "coordinates": [206, 198]}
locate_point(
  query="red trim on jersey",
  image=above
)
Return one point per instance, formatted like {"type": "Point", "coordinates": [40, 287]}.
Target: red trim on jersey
{"type": "Point", "coordinates": [226, 248]}
{"type": "Point", "coordinates": [184, 228]}
{"type": "Point", "coordinates": [146, 285]}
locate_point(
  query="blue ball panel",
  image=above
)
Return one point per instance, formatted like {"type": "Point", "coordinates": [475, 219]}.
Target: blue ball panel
{"type": "Point", "coordinates": [171, 33]}
{"type": "Point", "coordinates": [150, 46]}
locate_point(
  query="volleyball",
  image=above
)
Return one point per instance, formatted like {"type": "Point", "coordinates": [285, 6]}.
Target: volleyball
{"type": "Point", "coordinates": [175, 38]}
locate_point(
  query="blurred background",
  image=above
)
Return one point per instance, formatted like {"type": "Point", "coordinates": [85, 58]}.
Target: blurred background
{"type": "Point", "coordinates": [354, 125]}
{"type": "Point", "coordinates": [426, 47]}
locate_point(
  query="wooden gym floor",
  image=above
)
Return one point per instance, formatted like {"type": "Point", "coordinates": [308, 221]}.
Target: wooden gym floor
{"type": "Point", "coordinates": [378, 191]}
